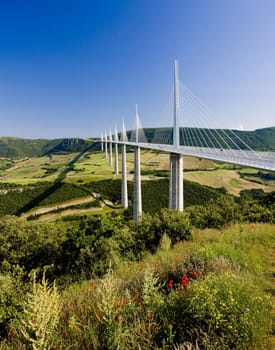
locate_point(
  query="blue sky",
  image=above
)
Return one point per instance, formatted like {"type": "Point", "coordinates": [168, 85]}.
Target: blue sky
{"type": "Point", "coordinates": [73, 68]}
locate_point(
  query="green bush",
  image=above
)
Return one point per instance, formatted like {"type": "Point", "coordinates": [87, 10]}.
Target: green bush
{"type": "Point", "coordinates": [228, 307]}
{"type": "Point", "coordinates": [149, 230]}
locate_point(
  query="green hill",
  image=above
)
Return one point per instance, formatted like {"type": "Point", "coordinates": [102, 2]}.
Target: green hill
{"type": "Point", "coordinates": [12, 147]}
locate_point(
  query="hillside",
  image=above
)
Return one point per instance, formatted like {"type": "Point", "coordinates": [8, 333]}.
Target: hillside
{"type": "Point", "coordinates": [16, 148]}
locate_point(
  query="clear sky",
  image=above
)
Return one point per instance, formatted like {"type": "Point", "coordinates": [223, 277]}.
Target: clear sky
{"type": "Point", "coordinates": [73, 68]}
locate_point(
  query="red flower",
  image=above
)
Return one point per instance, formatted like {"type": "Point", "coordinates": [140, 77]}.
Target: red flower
{"type": "Point", "coordinates": [170, 284]}
{"type": "Point", "coordinates": [194, 274]}
{"type": "Point", "coordinates": [149, 315]}
{"type": "Point", "coordinates": [184, 282]}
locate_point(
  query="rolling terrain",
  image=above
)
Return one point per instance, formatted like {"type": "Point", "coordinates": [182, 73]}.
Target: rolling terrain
{"type": "Point", "coordinates": [69, 182]}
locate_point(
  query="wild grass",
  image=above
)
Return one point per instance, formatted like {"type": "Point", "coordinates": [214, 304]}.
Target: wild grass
{"type": "Point", "coordinates": [36, 327]}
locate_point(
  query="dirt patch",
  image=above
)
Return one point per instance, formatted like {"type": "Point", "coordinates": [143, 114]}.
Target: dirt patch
{"type": "Point", "coordinates": [65, 205]}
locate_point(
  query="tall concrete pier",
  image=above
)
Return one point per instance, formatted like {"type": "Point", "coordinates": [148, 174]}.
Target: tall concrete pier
{"type": "Point", "coordinates": [137, 205]}
{"type": "Point", "coordinates": [110, 149]}
{"type": "Point", "coordinates": [124, 190]}
{"type": "Point", "coordinates": [176, 182]}
{"type": "Point", "coordinates": [176, 159]}
{"type": "Point", "coordinates": [106, 145]}
{"type": "Point", "coordinates": [116, 152]}
{"type": "Point", "coordinates": [102, 143]}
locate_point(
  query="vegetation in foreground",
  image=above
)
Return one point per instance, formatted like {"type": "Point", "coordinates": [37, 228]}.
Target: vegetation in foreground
{"type": "Point", "coordinates": [169, 285]}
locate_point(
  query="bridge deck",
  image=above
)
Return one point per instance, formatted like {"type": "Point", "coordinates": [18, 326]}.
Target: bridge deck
{"type": "Point", "coordinates": [259, 160]}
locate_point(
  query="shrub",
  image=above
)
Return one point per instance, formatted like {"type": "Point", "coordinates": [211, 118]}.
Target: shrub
{"type": "Point", "coordinates": [150, 229]}
{"type": "Point", "coordinates": [228, 307]}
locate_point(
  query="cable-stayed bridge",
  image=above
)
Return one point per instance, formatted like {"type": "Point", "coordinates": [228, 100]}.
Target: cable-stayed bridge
{"type": "Point", "coordinates": [258, 160]}
{"type": "Point", "coordinates": [222, 145]}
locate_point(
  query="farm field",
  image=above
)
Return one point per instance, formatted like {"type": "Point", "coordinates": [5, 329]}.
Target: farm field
{"type": "Point", "coordinates": [31, 170]}
{"type": "Point", "coordinates": [229, 179]}
{"type": "Point", "coordinates": [46, 198]}
{"type": "Point", "coordinates": [93, 166]}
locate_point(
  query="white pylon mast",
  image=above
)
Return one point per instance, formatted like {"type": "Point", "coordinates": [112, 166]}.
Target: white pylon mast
{"type": "Point", "coordinates": [176, 134]}
{"type": "Point", "coordinates": [176, 159]}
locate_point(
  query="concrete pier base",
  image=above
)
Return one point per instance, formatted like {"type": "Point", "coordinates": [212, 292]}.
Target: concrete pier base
{"type": "Point", "coordinates": [176, 182]}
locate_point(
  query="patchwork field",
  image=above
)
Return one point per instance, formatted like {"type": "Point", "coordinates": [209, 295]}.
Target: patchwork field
{"type": "Point", "coordinates": [93, 166]}
{"type": "Point", "coordinates": [229, 179]}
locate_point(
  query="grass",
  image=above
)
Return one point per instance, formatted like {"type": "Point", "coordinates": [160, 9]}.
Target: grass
{"type": "Point", "coordinates": [262, 177]}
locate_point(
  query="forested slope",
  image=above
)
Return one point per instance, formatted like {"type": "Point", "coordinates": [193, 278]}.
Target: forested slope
{"type": "Point", "coordinates": [12, 147]}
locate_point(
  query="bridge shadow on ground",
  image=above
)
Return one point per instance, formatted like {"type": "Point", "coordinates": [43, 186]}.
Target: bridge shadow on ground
{"type": "Point", "coordinates": [57, 184]}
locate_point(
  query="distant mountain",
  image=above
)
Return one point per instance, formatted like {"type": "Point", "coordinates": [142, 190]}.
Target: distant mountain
{"type": "Point", "coordinates": [12, 147]}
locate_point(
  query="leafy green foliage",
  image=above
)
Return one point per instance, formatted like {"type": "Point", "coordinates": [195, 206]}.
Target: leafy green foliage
{"type": "Point", "coordinates": [155, 193]}
{"type": "Point", "coordinates": [108, 189]}
{"type": "Point", "coordinates": [182, 295]}
{"type": "Point", "coordinates": [151, 228]}
{"type": "Point", "coordinates": [27, 246]}
{"type": "Point", "coordinates": [233, 313]}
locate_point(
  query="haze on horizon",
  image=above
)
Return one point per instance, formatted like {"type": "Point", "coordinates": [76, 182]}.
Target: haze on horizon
{"type": "Point", "coordinates": [74, 68]}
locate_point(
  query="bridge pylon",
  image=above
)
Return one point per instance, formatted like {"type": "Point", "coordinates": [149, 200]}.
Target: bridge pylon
{"type": "Point", "coordinates": [176, 159]}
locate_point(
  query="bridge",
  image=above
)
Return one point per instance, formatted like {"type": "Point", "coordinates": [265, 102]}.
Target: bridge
{"type": "Point", "coordinates": [219, 145]}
